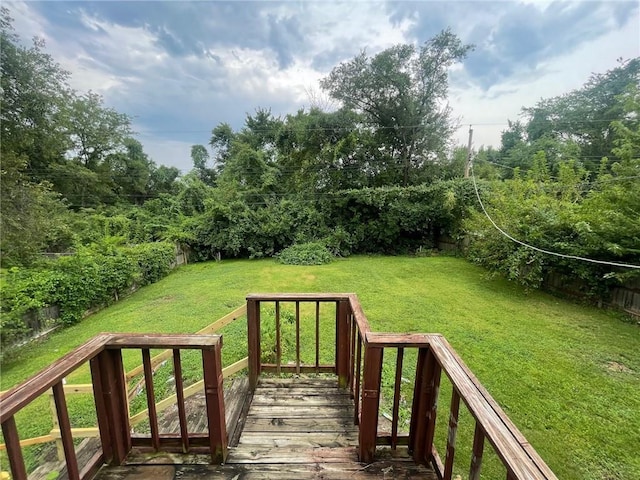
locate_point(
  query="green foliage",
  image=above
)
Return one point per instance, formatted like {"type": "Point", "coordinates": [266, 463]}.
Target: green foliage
{"type": "Point", "coordinates": [92, 277]}
{"type": "Point", "coordinates": [312, 253]}
{"type": "Point", "coordinates": [400, 92]}
{"type": "Point", "coordinates": [153, 260]}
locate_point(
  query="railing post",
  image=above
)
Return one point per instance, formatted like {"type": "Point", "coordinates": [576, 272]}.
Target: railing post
{"type": "Point", "coordinates": [425, 404]}
{"type": "Point", "coordinates": [62, 415]}
{"type": "Point", "coordinates": [342, 342]}
{"type": "Point", "coordinates": [212, 368]}
{"type": "Point", "coordinates": [56, 426]}
{"type": "Point", "coordinates": [14, 450]}
{"type": "Point", "coordinates": [110, 392]}
{"type": "Point", "coordinates": [253, 339]}
{"type": "Point", "coordinates": [370, 403]}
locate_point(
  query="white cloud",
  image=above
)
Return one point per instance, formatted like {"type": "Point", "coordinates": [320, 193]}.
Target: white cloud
{"type": "Point", "coordinates": [558, 76]}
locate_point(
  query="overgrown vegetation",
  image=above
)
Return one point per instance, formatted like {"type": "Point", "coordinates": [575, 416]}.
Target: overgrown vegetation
{"type": "Point", "coordinates": [94, 276]}
{"type": "Point", "coordinates": [553, 201]}
{"type": "Point", "coordinates": [312, 253]}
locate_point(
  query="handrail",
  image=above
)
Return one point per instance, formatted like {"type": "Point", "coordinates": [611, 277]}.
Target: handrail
{"type": "Point", "coordinates": [104, 352]}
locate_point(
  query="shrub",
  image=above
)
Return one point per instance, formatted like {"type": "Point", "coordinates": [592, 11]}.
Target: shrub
{"type": "Point", "coordinates": [312, 253]}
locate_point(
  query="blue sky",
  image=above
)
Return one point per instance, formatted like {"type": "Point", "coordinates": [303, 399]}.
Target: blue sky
{"type": "Point", "coordinates": [180, 68]}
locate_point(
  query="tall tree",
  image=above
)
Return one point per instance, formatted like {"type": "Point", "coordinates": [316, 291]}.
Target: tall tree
{"type": "Point", "coordinates": [401, 92]}
{"type": "Point", "coordinates": [33, 95]}
{"type": "Point", "coordinates": [585, 115]}
{"type": "Point", "coordinates": [200, 158]}
{"type": "Point", "coordinates": [96, 130]}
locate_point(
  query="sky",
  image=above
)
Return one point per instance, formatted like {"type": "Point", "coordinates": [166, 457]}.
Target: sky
{"type": "Point", "coordinates": [180, 68]}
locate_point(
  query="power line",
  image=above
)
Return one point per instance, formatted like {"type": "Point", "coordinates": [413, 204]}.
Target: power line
{"type": "Point", "coordinates": [541, 250]}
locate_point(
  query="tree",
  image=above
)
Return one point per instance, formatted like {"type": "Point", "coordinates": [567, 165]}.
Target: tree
{"type": "Point", "coordinates": [130, 172]}
{"type": "Point", "coordinates": [400, 91]}
{"type": "Point", "coordinates": [200, 157]}
{"type": "Point", "coordinates": [96, 131]}
{"type": "Point", "coordinates": [34, 94]}
{"type": "Point", "coordinates": [162, 179]}
{"type": "Point", "coordinates": [586, 115]}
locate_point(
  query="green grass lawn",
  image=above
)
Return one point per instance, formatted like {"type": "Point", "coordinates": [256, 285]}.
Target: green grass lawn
{"type": "Point", "coordinates": [567, 375]}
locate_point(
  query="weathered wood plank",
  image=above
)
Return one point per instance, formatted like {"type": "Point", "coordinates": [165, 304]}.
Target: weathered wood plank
{"type": "Point", "coordinates": [302, 382]}
{"type": "Point", "coordinates": [311, 392]}
{"type": "Point", "coordinates": [344, 424]}
{"type": "Point", "coordinates": [297, 439]}
{"type": "Point", "coordinates": [162, 341]}
{"type": "Point", "coordinates": [326, 471]}
{"type": "Point", "coordinates": [288, 412]}
{"type": "Point", "coordinates": [295, 401]}
{"type": "Point", "coordinates": [292, 455]}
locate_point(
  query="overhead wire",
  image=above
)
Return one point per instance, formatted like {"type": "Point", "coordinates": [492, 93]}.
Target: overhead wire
{"type": "Point", "coordinates": [542, 250]}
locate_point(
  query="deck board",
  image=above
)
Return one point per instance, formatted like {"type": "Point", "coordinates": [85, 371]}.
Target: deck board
{"type": "Point", "coordinates": [295, 428]}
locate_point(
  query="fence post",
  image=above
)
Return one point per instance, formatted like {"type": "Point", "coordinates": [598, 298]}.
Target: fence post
{"type": "Point", "coordinates": [253, 339]}
{"type": "Point", "coordinates": [370, 403]}
{"type": "Point", "coordinates": [342, 342]}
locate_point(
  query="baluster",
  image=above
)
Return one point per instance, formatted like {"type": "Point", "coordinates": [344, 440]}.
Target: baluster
{"type": "Point", "coordinates": [65, 432]}
{"type": "Point", "coordinates": [451, 438]}
{"type": "Point", "coordinates": [342, 343]}
{"type": "Point", "coordinates": [151, 398]}
{"type": "Point", "coordinates": [425, 404]}
{"type": "Point", "coordinates": [356, 413]}
{"type": "Point", "coordinates": [396, 399]}
{"type": "Point", "coordinates": [352, 349]}
{"type": "Point", "coordinates": [298, 338]}
{"type": "Point", "coordinates": [317, 337]}
{"type": "Point", "coordinates": [278, 344]}
{"type": "Point", "coordinates": [114, 395]}
{"type": "Point", "coordinates": [182, 414]}
{"type": "Point", "coordinates": [476, 455]}
{"type": "Point", "coordinates": [14, 450]}
{"type": "Point", "coordinates": [56, 426]}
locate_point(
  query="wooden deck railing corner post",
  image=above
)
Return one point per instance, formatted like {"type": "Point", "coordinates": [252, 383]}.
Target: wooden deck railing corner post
{"type": "Point", "coordinates": [214, 394]}
{"type": "Point", "coordinates": [370, 403]}
{"type": "Point", "coordinates": [343, 342]}
{"type": "Point", "coordinates": [112, 405]}
{"type": "Point", "coordinates": [424, 408]}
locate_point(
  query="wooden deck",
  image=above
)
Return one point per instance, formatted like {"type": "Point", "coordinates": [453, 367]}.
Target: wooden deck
{"type": "Point", "coordinates": [295, 429]}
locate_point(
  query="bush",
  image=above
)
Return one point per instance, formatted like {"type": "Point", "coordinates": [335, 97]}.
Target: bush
{"type": "Point", "coordinates": [312, 253]}
{"type": "Point", "coordinates": [93, 277]}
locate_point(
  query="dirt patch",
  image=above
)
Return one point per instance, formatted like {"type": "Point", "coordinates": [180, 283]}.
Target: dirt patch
{"type": "Point", "coordinates": [618, 367]}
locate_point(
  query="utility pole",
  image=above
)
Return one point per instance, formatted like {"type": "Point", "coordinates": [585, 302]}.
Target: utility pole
{"type": "Point", "coordinates": [468, 164]}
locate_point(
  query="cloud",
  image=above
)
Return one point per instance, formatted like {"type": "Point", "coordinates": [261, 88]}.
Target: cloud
{"type": "Point", "coordinates": [180, 68]}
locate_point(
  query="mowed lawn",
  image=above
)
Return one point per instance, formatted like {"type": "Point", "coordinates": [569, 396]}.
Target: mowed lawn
{"type": "Point", "coordinates": [568, 375]}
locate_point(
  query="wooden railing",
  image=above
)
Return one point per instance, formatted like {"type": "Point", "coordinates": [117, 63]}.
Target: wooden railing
{"type": "Point", "coordinates": [104, 354]}
{"type": "Point", "coordinates": [358, 364]}
{"type": "Point", "coordinates": [357, 361]}
{"type": "Point", "coordinates": [134, 389]}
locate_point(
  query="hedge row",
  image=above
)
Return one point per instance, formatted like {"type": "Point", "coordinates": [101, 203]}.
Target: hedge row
{"type": "Point", "coordinates": [93, 277]}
